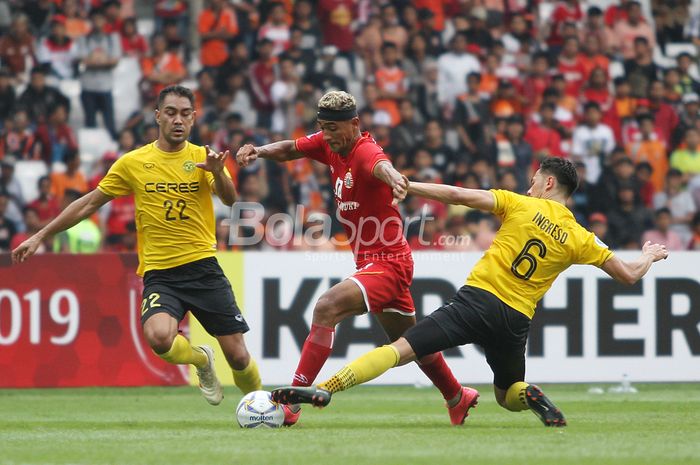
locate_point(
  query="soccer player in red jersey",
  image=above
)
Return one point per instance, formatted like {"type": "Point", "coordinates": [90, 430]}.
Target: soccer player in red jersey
{"type": "Point", "coordinates": [366, 188]}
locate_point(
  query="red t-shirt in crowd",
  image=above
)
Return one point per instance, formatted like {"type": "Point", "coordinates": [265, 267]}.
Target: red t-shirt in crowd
{"type": "Point", "coordinates": [373, 225]}
{"type": "Point", "coordinates": [562, 14]}
{"type": "Point", "coordinates": [121, 213]}
{"type": "Point", "coordinates": [336, 23]}
{"type": "Point", "coordinates": [574, 72]}
{"type": "Point", "coordinates": [47, 209]}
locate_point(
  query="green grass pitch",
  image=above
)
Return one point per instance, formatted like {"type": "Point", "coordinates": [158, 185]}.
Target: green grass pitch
{"type": "Point", "coordinates": [369, 425]}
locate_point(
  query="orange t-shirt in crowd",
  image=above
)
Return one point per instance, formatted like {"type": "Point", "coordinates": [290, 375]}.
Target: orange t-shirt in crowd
{"type": "Point", "coordinates": [591, 63]}
{"type": "Point", "coordinates": [169, 63]}
{"type": "Point", "coordinates": [215, 51]}
{"type": "Point", "coordinates": [390, 79]}
{"type": "Point", "coordinates": [488, 84]}
{"type": "Point", "coordinates": [77, 27]}
{"type": "Point", "coordinates": [625, 107]}
{"type": "Point", "coordinates": [653, 152]}
{"type": "Point", "coordinates": [391, 107]}
{"type": "Point", "coordinates": [61, 182]}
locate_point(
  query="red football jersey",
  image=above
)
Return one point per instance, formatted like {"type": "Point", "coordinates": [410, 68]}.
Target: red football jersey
{"type": "Point", "coordinates": [373, 225]}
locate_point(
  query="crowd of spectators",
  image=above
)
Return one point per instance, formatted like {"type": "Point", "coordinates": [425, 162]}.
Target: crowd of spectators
{"type": "Point", "coordinates": [472, 93]}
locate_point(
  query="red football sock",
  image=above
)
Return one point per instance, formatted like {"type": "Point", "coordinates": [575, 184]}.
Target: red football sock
{"type": "Point", "coordinates": [317, 348]}
{"type": "Point", "coordinates": [435, 368]}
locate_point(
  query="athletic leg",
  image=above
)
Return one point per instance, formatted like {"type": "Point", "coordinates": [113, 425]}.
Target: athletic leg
{"type": "Point", "coordinates": [513, 393]}
{"type": "Point", "coordinates": [160, 330]}
{"type": "Point", "coordinates": [245, 370]}
{"type": "Point", "coordinates": [370, 365]}
{"type": "Point", "coordinates": [433, 365]}
{"type": "Point", "coordinates": [210, 299]}
{"type": "Point", "coordinates": [339, 302]}
{"type": "Point", "coordinates": [363, 369]}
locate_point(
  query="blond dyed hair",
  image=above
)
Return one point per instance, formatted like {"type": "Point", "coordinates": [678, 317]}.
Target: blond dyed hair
{"type": "Point", "coordinates": [337, 100]}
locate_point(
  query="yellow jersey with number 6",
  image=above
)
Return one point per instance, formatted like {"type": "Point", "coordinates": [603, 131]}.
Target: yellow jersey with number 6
{"type": "Point", "coordinates": [174, 209]}
{"type": "Point", "coordinates": [538, 240]}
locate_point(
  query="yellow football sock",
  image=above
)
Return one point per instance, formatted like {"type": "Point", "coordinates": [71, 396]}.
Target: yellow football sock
{"type": "Point", "coordinates": [515, 397]}
{"type": "Point", "coordinates": [248, 379]}
{"type": "Point", "coordinates": [363, 369]}
{"type": "Point", "coordinates": [182, 352]}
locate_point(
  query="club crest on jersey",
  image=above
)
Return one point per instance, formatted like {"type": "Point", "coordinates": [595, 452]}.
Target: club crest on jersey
{"type": "Point", "coordinates": [348, 180]}
{"type": "Point", "coordinates": [188, 166]}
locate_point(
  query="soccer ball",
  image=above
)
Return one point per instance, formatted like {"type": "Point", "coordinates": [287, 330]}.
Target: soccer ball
{"type": "Point", "coordinates": [257, 410]}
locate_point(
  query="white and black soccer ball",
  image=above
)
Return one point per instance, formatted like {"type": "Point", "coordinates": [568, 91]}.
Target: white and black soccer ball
{"type": "Point", "coordinates": [257, 410]}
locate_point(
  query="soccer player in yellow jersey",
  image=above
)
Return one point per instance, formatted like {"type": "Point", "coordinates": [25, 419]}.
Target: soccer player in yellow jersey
{"type": "Point", "coordinates": [172, 181]}
{"type": "Point", "coordinates": [538, 239]}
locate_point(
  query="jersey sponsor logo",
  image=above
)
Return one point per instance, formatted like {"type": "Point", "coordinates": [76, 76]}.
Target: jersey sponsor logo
{"type": "Point", "coordinates": [182, 187]}
{"type": "Point", "coordinates": [348, 206]}
{"type": "Point", "coordinates": [550, 228]}
{"type": "Point", "coordinates": [348, 180]}
{"type": "Point", "coordinates": [188, 166]}
{"type": "Point", "coordinates": [149, 166]}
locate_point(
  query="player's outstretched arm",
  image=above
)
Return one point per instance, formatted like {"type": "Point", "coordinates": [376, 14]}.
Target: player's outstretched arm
{"type": "Point", "coordinates": [284, 150]}
{"type": "Point", "coordinates": [631, 272]}
{"type": "Point", "coordinates": [474, 198]}
{"type": "Point", "coordinates": [386, 172]}
{"type": "Point", "coordinates": [72, 215]}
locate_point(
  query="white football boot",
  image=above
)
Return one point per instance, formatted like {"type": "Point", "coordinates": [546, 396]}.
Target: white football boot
{"type": "Point", "coordinates": [208, 382]}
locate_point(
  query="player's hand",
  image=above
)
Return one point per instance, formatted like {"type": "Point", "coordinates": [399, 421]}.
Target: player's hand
{"type": "Point", "coordinates": [657, 251]}
{"type": "Point", "coordinates": [214, 162]}
{"type": "Point", "coordinates": [399, 189]}
{"type": "Point", "coordinates": [26, 249]}
{"type": "Point", "coordinates": [246, 154]}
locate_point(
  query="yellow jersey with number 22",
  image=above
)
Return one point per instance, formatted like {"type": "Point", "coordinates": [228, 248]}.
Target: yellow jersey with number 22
{"type": "Point", "coordinates": [174, 209]}
{"type": "Point", "coordinates": [538, 240]}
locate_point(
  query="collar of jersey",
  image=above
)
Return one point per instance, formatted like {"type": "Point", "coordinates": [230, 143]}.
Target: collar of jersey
{"type": "Point", "coordinates": [171, 154]}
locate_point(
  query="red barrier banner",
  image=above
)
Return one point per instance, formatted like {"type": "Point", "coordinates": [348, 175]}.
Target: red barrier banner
{"type": "Point", "coordinates": [74, 320]}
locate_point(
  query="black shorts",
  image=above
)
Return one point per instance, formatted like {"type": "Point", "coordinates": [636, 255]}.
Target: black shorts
{"type": "Point", "coordinates": [199, 287]}
{"type": "Point", "coordinates": [475, 316]}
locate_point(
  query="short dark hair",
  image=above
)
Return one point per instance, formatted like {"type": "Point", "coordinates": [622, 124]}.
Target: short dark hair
{"type": "Point", "coordinates": [644, 117]}
{"type": "Point", "coordinates": [540, 56]}
{"type": "Point", "coordinates": [70, 155]}
{"type": "Point", "coordinates": [644, 165]}
{"type": "Point", "coordinates": [562, 169]}
{"type": "Point", "coordinates": [662, 211]}
{"type": "Point", "coordinates": [386, 45]}
{"type": "Point", "coordinates": [29, 208]}
{"type": "Point", "coordinates": [591, 106]}
{"type": "Point", "coordinates": [474, 75]}
{"type": "Point", "coordinates": [180, 91]}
